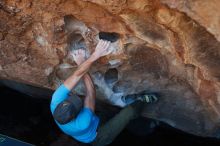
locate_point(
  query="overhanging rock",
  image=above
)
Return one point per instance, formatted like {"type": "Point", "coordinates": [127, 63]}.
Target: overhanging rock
{"type": "Point", "coordinates": [165, 46]}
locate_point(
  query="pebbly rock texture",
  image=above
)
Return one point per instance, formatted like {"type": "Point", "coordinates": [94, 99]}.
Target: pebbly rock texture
{"type": "Point", "coordinates": [171, 47]}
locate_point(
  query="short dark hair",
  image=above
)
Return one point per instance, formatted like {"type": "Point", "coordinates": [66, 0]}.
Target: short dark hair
{"type": "Point", "coordinates": [67, 110]}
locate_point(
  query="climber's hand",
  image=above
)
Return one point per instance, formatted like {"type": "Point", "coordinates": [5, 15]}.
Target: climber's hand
{"type": "Point", "coordinates": [102, 49]}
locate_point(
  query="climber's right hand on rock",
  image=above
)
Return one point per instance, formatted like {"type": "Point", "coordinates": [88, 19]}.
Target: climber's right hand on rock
{"type": "Point", "coordinates": [102, 49]}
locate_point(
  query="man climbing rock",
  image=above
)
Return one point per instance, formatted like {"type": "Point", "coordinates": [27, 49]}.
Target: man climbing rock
{"type": "Point", "coordinates": [79, 120]}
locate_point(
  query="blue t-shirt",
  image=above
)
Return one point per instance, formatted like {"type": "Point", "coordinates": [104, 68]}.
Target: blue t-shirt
{"type": "Point", "coordinates": [83, 127]}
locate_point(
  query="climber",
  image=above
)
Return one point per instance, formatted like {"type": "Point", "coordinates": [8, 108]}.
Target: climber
{"type": "Point", "coordinates": [79, 120]}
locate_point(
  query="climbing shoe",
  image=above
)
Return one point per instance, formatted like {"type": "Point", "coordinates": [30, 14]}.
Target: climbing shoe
{"type": "Point", "coordinates": [148, 98]}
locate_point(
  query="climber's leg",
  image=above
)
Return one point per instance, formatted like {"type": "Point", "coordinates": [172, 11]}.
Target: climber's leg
{"type": "Point", "coordinates": [110, 130]}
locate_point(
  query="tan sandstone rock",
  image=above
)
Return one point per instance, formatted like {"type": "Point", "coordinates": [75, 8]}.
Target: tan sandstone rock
{"type": "Point", "coordinates": [171, 47]}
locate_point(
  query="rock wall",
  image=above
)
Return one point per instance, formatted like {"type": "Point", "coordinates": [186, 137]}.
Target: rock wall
{"type": "Point", "coordinates": [171, 47]}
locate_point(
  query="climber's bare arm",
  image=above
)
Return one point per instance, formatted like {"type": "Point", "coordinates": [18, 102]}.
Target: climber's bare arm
{"type": "Point", "coordinates": [79, 58]}
{"type": "Point", "coordinates": [90, 92]}
{"type": "Point", "coordinates": [71, 81]}
{"type": "Point", "coordinates": [100, 50]}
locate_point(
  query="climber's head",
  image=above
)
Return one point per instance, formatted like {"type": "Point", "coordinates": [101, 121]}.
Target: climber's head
{"type": "Point", "coordinates": [68, 109]}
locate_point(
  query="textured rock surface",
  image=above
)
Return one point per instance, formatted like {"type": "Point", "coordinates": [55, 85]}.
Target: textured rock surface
{"type": "Point", "coordinates": [171, 47]}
